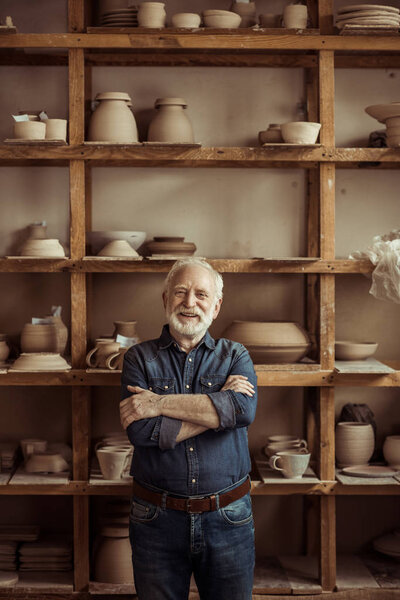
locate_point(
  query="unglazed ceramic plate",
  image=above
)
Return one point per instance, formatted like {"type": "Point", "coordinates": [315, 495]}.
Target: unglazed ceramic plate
{"type": "Point", "coordinates": [353, 7]}
{"type": "Point", "coordinates": [369, 471]}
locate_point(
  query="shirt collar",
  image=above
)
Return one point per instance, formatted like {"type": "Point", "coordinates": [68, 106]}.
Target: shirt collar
{"type": "Point", "coordinates": [166, 339]}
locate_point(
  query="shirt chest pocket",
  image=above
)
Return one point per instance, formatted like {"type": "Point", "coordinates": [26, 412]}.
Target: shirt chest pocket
{"type": "Point", "coordinates": [211, 383]}
{"type": "Point", "coordinates": [162, 385]}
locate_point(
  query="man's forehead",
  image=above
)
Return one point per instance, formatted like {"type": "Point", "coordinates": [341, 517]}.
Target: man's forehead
{"type": "Point", "coordinates": [193, 275]}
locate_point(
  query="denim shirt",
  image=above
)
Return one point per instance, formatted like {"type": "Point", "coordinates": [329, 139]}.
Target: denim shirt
{"type": "Point", "coordinates": [215, 459]}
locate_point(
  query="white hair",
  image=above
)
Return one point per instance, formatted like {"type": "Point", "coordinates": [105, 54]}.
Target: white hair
{"type": "Point", "coordinates": [193, 261]}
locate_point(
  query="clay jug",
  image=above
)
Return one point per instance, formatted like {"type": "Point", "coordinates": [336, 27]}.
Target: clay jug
{"type": "Point", "coordinates": [4, 351]}
{"type": "Point", "coordinates": [39, 338]}
{"type": "Point", "coordinates": [170, 124]}
{"type": "Point", "coordinates": [113, 562]}
{"type": "Point", "coordinates": [113, 121]}
{"type": "Point", "coordinates": [151, 14]}
{"type": "Point", "coordinates": [125, 328]}
{"type": "Point", "coordinates": [354, 443]}
{"type": "Point", "coordinates": [61, 333]}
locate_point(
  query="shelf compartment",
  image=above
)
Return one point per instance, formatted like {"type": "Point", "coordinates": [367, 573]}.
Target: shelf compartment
{"type": "Point", "coordinates": [22, 478]}
{"type": "Point", "coordinates": [41, 582]}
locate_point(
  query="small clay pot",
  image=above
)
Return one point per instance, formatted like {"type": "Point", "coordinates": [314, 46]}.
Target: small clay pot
{"type": "Point", "coordinates": [39, 338]}
{"type": "Point", "coordinates": [300, 132]}
{"type": "Point", "coordinates": [391, 450]}
{"type": "Point", "coordinates": [56, 129]}
{"type": "Point", "coordinates": [152, 14]}
{"type": "Point", "coordinates": [113, 121]}
{"type": "Point", "coordinates": [354, 443]}
{"type": "Point", "coordinates": [186, 20]}
{"type": "Point", "coordinates": [29, 130]}
{"type": "Point", "coordinates": [37, 231]}
{"type": "Point", "coordinates": [295, 16]}
{"type": "Point", "coordinates": [272, 135]}
{"type": "Point", "coordinates": [48, 248]}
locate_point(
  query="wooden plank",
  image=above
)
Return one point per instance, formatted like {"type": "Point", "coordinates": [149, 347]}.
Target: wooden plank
{"type": "Point", "coordinates": [326, 68]}
{"type": "Point", "coordinates": [270, 577]}
{"type": "Point", "coordinates": [76, 16]}
{"type": "Point", "coordinates": [78, 319]}
{"type": "Point", "coordinates": [302, 574]}
{"type": "Point", "coordinates": [4, 478]}
{"type": "Point", "coordinates": [327, 557]}
{"type": "Point", "coordinates": [77, 181]}
{"type": "Point", "coordinates": [76, 80]}
{"type": "Point", "coordinates": [81, 544]}
{"type": "Point", "coordinates": [81, 432]}
{"type": "Point", "coordinates": [326, 428]}
{"type": "Point", "coordinates": [21, 477]}
{"type": "Point", "coordinates": [369, 365]}
{"type": "Point", "coordinates": [109, 590]}
{"type": "Point", "coordinates": [325, 16]}
{"type": "Point", "coordinates": [384, 569]}
{"type": "Point", "coordinates": [42, 582]}
{"type": "Point", "coordinates": [353, 574]}
{"type": "Point", "coordinates": [364, 481]}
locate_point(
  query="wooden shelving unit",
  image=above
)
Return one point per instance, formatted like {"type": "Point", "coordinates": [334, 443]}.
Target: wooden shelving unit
{"type": "Point", "coordinates": [318, 52]}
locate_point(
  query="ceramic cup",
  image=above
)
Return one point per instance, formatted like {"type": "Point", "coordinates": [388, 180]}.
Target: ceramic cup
{"type": "Point", "coordinates": [97, 357]}
{"type": "Point", "coordinates": [32, 445]}
{"type": "Point", "coordinates": [354, 443]}
{"type": "Point", "coordinates": [295, 16]}
{"type": "Point", "coordinates": [56, 129]}
{"type": "Point", "coordinates": [291, 463]}
{"type": "Point", "coordinates": [112, 461]}
{"type": "Point", "coordinates": [298, 445]}
{"type": "Point", "coordinates": [391, 449]}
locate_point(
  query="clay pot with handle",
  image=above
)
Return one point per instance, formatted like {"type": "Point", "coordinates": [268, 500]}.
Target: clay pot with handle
{"type": "Point", "coordinates": [97, 357]}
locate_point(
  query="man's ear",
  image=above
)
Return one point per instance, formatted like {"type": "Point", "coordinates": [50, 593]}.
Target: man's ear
{"type": "Point", "coordinates": [164, 297]}
{"type": "Point", "coordinates": [217, 308]}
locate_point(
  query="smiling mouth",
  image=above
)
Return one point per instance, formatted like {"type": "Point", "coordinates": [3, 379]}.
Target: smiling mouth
{"type": "Point", "coordinates": [188, 315]}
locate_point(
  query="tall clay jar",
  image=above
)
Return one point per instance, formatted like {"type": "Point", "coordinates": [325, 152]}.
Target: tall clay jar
{"type": "Point", "coordinates": [355, 443]}
{"type": "Point", "coordinates": [170, 124]}
{"type": "Point", "coordinates": [152, 14]}
{"type": "Point", "coordinates": [113, 121]}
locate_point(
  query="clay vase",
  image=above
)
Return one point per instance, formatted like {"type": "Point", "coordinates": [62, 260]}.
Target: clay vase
{"type": "Point", "coordinates": [39, 338]}
{"type": "Point", "coordinates": [170, 124]}
{"type": "Point", "coordinates": [37, 231]}
{"type": "Point", "coordinates": [112, 460]}
{"type": "Point", "coordinates": [113, 562]}
{"type": "Point", "coordinates": [4, 352]}
{"type": "Point", "coordinates": [113, 121]}
{"type": "Point", "coordinates": [97, 357]}
{"type": "Point", "coordinates": [61, 333]}
{"type": "Point", "coordinates": [125, 328]}
{"type": "Point", "coordinates": [355, 443]}
{"type": "Point", "coordinates": [151, 14]}
{"type": "Point", "coordinates": [295, 16]}
{"type": "Point", "coordinates": [391, 450]}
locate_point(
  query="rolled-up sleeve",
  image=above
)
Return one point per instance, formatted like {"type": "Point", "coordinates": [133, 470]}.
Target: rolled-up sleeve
{"type": "Point", "coordinates": [236, 409]}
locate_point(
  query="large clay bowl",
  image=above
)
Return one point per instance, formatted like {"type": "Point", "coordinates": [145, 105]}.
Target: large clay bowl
{"type": "Point", "coordinates": [98, 239]}
{"type": "Point", "coordinates": [222, 21]}
{"type": "Point", "coordinates": [274, 354]}
{"type": "Point", "coordinates": [346, 350]}
{"type": "Point", "coordinates": [381, 112]}
{"type": "Point", "coordinates": [40, 361]}
{"type": "Point", "coordinates": [264, 333]}
{"type": "Point", "coordinates": [354, 443]}
{"type": "Point", "coordinates": [47, 248]}
{"type": "Point", "coordinates": [391, 450]}
{"type": "Point", "coordinates": [174, 248]}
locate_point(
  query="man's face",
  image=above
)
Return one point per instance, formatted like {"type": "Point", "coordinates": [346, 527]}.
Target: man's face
{"type": "Point", "coordinates": [190, 302]}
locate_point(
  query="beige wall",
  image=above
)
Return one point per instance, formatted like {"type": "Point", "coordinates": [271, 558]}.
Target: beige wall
{"type": "Point", "coordinates": [227, 213]}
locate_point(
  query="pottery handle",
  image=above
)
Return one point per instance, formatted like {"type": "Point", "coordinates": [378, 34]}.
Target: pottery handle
{"type": "Point", "coordinates": [89, 357]}
{"type": "Point", "coordinates": [303, 444]}
{"type": "Point", "coordinates": [113, 357]}
{"type": "Point", "coordinates": [272, 462]}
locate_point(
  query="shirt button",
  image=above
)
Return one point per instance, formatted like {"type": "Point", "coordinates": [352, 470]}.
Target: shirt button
{"type": "Point", "coordinates": [187, 386]}
{"type": "Point", "coordinates": [165, 387]}
{"type": "Point", "coordinates": [151, 389]}
{"type": "Point", "coordinates": [209, 383]}
{"type": "Point", "coordinates": [190, 360]}
{"type": "Point", "coordinates": [193, 481]}
{"type": "Point", "coordinates": [191, 449]}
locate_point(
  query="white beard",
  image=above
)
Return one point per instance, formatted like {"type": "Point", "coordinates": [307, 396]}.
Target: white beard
{"type": "Point", "coordinates": [194, 329]}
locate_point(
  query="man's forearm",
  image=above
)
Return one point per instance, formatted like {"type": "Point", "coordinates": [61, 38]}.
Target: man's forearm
{"type": "Point", "coordinates": [189, 430]}
{"type": "Point", "coordinates": [197, 409]}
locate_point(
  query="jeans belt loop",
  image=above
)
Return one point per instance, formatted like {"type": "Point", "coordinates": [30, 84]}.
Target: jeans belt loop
{"type": "Point", "coordinates": [216, 501]}
{"type": "Point", "coordinates": [164, 500]}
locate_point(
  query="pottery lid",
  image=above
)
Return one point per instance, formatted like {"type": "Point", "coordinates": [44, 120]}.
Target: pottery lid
{"type": "Point", "coordinates": [113, 96]}
{"type": "Point", "coordinates": [170, 101]}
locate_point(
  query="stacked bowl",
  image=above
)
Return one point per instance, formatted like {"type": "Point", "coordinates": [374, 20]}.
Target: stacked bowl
{"type": "Point", "coordinates": [390, 115]}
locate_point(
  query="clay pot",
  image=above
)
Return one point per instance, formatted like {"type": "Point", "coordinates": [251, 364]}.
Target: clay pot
{"type": "Point", "coordinates": [152, 14]}
{"type": "Point", "coordinates": [125, 328]}
{"type": "Point", "coordinates": [113, 121]}
{"type": "Point", "coordinates": [272, 135]}
{"type": "Point", "coordinates": [29, 130]}
{"type": "Point", "coordinates": [39, 338]}
{"type": "Point", "coordinates": [4, 352]}
{"type": "Point", "coordinates": [221, 19]}
{"type": "Point", "coordinates": [116, 360]}
{"type": "Point", "coordinates": [186, 20]}
{"type": "Point", "coordinates": [270, 20]}
{"type": "Point", "coordinates": [295, 16]}
{"type": "Point", "coordinates": [98, 239]}
{"type": "Point", "coordinates": [113, 460]}
{"type": "Point", "coordinates": [37, 231]}
{"type": "Point", "coordinates": [56, 129]}
{"type": "Point", "coordinates": [113, 556]}
{"type": "Point", "coordinates": [391, 449]}
{"type": "Point", "coordinates": [42, 247]}
{"type": "Point", "coordinates": [170, 124]}
{"type": "Point", "coordinates": [97, 357]}
{"type": "Point", "coordinates": [31, 445]}
{"type": "Point", "coordinates": [118, 248]}
{"type": "Point", "coordinates": [172, 246]}
{"type": "Point", "coordinates": [40, 361]}
{"type": "Point", "coordinates": [354, 350]}
{"type": "Point", "coordinates": [247, 10]}
{"type": "Point", "coordinates": [61, 333]}
{"type": "Point", "coordinates": [46, 462]}
{"type": "Point", "coordinates": [300, 132]}
{"type": "Point", "coordinates": [354, 442]}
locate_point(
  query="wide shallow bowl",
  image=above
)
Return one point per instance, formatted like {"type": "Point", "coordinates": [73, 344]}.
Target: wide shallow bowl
{"type": "Point", "coordinates": [347, 350]}
{"type": "Point", "coordinates": [118, 248]}
{"type": "Point", "coordinates": [186, 20]}
{"type": "Point", "coordinates": [388, 544]}
{"type": "Point", "coordinates": [98, 239]}
{"type": "Point", "coordinates": [381, 112]}
{"type": "Point", "coordinates": [40, 361]}
{"type": "Point", "coordinates": [173, 248]}
{"type": "Point", "coordinates": [225, 21]}
{"type": "Point", "coordinates": [47, 248]}
{"type": "Point", "coordinates": [300, 132]}
{"type": "Point", "coordinates": [265, 333]}
{"type": "Point", "coordinates": [275, 354]}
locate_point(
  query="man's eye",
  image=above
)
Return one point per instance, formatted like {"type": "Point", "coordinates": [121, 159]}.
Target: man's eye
{"type": "Point", "coordinates": [200, 295]}
{"type": "Point", "coordinates": [180, 293]}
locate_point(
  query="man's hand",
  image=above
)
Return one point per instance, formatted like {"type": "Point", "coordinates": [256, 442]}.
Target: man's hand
{"type": "Point", "coordinates": [143, 404]}
{"type": "Point", "coordinates": [239, 383]}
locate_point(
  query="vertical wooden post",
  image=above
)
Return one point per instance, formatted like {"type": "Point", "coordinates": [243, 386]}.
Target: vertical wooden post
{"type": "Point", "coordinates": [81, 432]}
{"type": "Point", "coordinates": [325, 16]}
{"type": "Point", "coordinates": [327, 567]}
{"type": "Point", "coordinates": [81, 544]}
{"type": "Point", "coordinates": [76, 76]}
{"type": "Point", "coordinates": [76, 16]}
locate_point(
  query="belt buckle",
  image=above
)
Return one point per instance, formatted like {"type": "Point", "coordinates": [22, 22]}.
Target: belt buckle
{"type": "Point", "coordinates": [189, 508]}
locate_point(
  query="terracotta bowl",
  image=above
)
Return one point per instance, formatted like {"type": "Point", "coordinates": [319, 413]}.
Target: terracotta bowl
{"type": "Point", "coordinates": [300, 132]}
{"type": "Point", "coordinates": [98, 239]}
{"type": "Point", "coordinates": [40, 361]}
{"type": "Point", "coordinates": [347, 350]}
{"type": "Point", "coordinates": [266, 333]}
{"type": "Point", "coordinates": [222, 21]}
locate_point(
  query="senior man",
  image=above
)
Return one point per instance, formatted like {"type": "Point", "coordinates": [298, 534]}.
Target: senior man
{"type": "Point", "coordinates": [187, 402]}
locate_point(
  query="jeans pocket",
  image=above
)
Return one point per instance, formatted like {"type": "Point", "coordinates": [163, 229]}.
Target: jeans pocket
{"type": "Point", "coordinates": [238, 512]}
{"type": "Point", "coordinates": [142, 511]}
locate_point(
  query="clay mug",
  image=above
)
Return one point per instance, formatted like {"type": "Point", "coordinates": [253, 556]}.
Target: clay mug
{"type": "Point", "coordinates": [116, 360]}
{"type": "Point", "coordinates": [56, 129]}
{"type": "Point", "coordinates": [104, 348]}
{"type": "Point", "coordinates": [291, 463]}
{"type": "Point", "coordinates": [4, 351]}
{"type": "Point", "coordinates": [112, 461]}
{"type": "Point", "coordinates": [31, 445]}
{"type": "Point", "coordinates": [295, 16]}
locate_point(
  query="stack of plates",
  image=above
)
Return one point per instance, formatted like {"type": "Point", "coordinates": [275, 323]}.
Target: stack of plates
{"type": "Point", "coordinates": [120, 17]}
{"type": "Point", "coordinates": [170, 246]}
{"type": "Point", "coordinates": [8, 455]}
{"type": "Point", "coordinates": [389, 544]}
{"type": "Point", "coordinates": [19, 533]}
{"type": "Point", "coordinates": [368, 15]}
{"type": "Point", "coordinates": [8, 556]}
{"type": "Point", "coordinates": [46, 555]}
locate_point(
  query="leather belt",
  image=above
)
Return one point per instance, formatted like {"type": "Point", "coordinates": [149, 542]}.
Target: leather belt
{"type": "Point", "coordinates": [190, 504]}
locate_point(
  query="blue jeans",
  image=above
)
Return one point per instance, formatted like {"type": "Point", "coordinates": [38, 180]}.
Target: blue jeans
{"type": "Point", "coordinates": [169, 545]}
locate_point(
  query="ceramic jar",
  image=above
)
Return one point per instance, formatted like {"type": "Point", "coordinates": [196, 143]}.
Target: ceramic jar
{"type": "Point", "coordinates": [4, 350]}
{"type": "Point", "coordinates": [295, 16]}
{"type": "Point", "coordinates": [354, 443]}
{"type": "Point", "coordinates": [104, 348]}
{"type": "Point", "coordinates": [391, 450]}
{"type": "Point", "coordinates": [125, 328]}
{"type": "Point", "coordinates": [272, 135]}
{"type": "Point", "coordinates": [152, 14]}
{"type": "Point", "coordinates": [113, 121]}
{"type": "Point", "coordinates": [39, 338]}
{"type": "Point", "coordinates": [113, 562]}
{"type": "Point", "coordinates": [170, 124]}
